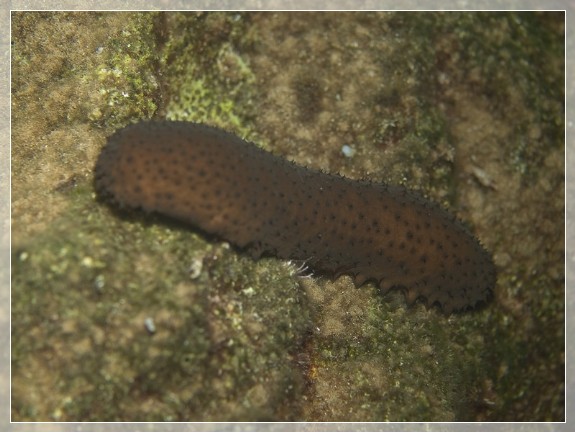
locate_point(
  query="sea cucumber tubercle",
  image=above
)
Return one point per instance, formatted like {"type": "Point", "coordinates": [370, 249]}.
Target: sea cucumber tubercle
{"type": "Point", "coordinates": [229, 187]}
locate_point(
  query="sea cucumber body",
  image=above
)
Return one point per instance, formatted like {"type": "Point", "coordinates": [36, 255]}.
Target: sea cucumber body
{"type": "Point", "coordinates": [229, 187]}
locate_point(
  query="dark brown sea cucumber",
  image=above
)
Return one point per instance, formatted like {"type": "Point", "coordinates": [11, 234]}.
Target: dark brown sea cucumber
{"type": "Point", "coordinates": [229, 187]}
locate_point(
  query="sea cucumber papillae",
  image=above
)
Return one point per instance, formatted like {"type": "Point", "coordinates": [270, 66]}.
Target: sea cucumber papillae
{"type": "Point", "coordinates": [229, 187]}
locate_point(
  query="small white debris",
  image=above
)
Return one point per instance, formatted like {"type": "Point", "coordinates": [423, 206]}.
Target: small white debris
{"type": "Point", "coordinates": [347, 151]}
{"type": "Point", "coordinates": [195, 268]}
{"type": "Point", "coordinates": [87, 262]}
{"type": "Point", "coordinates": [99, 283]}
{"type": "Point", "coordinates": [248, 292]}
{"type": "Point", "coordinates": [150, 326]}
{"type": "Point", "coordinates": [483, 178]}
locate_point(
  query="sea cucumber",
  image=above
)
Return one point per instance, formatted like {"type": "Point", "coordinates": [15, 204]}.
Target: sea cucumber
{"type": "Point", "coordinates": [265, 204]}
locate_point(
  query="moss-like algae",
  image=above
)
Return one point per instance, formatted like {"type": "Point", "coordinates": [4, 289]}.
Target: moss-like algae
{"type": "Point", "coordinates": [128, 71]}
{"type": "Point", "coordinates": [213, 82]}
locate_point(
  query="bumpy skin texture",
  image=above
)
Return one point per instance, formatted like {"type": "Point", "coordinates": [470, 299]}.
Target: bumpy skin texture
{"type": "Point", "coordinates": [229, 187]}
